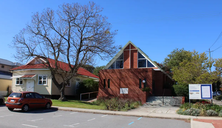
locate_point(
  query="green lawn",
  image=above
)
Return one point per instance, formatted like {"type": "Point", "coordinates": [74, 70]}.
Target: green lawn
{"type": "Point", "coordinates": [76, 104]}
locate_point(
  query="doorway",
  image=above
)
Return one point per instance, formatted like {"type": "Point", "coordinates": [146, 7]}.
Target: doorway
{"type": "Point", "coordinates": [30, 85]}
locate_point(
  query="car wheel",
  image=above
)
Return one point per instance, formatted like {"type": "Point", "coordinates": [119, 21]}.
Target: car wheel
{"type": "Point", "coordinates": [10, 109]}
{"type": "Point", "coordinates": [25, 108]}
{"type": "Point", "coordinates": [48, 105]}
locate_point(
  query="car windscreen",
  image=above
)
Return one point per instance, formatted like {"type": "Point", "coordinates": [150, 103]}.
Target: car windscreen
{"type": "Point", "coordinates": [15, 95]}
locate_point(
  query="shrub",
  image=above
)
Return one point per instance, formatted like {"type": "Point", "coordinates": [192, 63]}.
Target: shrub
{"type": "Point", "coordinates": [181, 90]}
{"type": "Point", "coordinates": [218, 97]}
{"type": "Point", "coordinates": [192, 112]}
{"type": "Point", "coordinates": [214, 107]}
{"type": "Point", "coordinates": [146, 89]}
{"type": "Point", "coordinates": [180, 111]}
{"type": "Point", "coordinates": [186, 106]}
{"type": "Point", "coordinates": [119, 104]}
{"type": "Point", "coordinates": [211, 113]}
{"type": "Point", "coordinates": [88, 85]}
{"type": "Point", "coordinates": [202, 112]}
{"type": "Point", "coordinates": [220, 113]}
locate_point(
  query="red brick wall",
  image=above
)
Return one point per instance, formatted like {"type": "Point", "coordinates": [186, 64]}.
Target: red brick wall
{"type": "Point", "coordinates": [125, 78]}
{"type": "Point", "coordinates": [126, 60]}
{"type": "Point", "coordinates": [160, 80]}
{"type": "Point", "coordinates": [134, 59]}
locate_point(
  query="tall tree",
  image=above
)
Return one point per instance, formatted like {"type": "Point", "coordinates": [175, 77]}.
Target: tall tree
{"type": "Point", "coordinates": [165, 68]}
{"type": "Point", "coordinates": [218, 72]}
{"type": "Point", "coordinates": [90, 68]}
{"type": "Point", "coordinates": [194, 71]}
{"type": "Point", "coordinates": [74, 34]}
{"type": "Point", "coordinates": [218, 66]}
{"type": "Point", "coordinates": [176, 57]}
{"type": "Point", "coordinates": [97, 69]}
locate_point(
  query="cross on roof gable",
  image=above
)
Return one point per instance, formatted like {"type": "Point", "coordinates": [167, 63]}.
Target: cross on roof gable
{"type": "Point", "coordinates": [129, 46]}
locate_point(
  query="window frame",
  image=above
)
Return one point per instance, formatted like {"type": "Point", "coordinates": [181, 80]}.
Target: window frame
{"type": "Point", "coordinates": [147, 61]}
{"type": "Point", "coordinates": [119, 59]}
{"type": "Point", "coordinates": [144, 58]}
{"type": "Point", "coordinates": [20, 80]}
{"type": "Point", "coordinates": [46, 79]}
{"type": "Point", "coordinates": [104, 83]}
{"type": "Point", "coordinates": [108, 83]}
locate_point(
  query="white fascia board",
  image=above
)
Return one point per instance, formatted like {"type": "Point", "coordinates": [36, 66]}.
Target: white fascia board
{"type": "Point", "coordinates": [90, 77]}
{"type": "Point", "coordinates": [30, 60]}
{"type": "Point", "coordinates": [42, 60]}
{"type": "Point", "coordinates": [30, 69]}
{"type": "Point", "coordinates": [115, 57]}
{"type": "Point", "coordinates": [17, 76]}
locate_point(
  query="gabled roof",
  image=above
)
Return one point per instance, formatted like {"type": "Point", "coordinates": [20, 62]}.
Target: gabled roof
{"type": "Point", "coordinates": [62, 65]}
{"type": "Point", "coordinates": [146, 56]}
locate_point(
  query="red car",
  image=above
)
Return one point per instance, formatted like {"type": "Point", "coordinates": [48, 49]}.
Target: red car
{"type": "Point", "coordinates": [27, 100]}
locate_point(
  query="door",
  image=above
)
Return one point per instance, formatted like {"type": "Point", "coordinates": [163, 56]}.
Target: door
{"type": "Point", "coordinates": [30, 85]}
{"type": "Point", "coordinates": [40, 101]}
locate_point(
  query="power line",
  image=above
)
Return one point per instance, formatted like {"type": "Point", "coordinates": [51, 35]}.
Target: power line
{"type": "Point", "coordinates": [216, 39]}
{"type": "Point", "coordinates": [216, 48]}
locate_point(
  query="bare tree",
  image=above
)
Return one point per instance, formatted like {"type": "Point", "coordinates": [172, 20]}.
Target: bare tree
{"type": "Point", "coordinates": [74, 34]}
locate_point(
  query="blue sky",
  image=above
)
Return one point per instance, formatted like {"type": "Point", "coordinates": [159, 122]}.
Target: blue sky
{"type": "Point", "coordinates": [155, 26]}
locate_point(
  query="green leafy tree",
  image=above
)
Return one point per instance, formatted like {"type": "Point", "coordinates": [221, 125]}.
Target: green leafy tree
{"type": "Point", "coordinates": [218, 66]}
{"type": "Point", "coordinates": [165, 68]}
{"type": "Point", "coordinates": [176, 57]}
{"type": "Point", "coordinates": [218, 72]}
{"type": "Point", "coordinates": [88, 85]}
{"type": "Point", "coordinates": [90, 68]}
{"type": "Point", "coordinates": [97, 69]}
{"type": "Point", "coordinates": [194, 70]}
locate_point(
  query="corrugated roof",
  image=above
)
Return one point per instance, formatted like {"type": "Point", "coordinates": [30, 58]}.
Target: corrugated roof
{"type": "Point", "coordinates": [5, 77]}
{"type": "Point", "coordinates": [7, 62]}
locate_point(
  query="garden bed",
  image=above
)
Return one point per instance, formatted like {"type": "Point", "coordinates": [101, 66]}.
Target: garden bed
{"type": "Point", "coordinates": [203, 108]}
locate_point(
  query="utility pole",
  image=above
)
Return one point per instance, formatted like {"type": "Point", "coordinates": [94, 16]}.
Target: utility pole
{"type": "Point", "coordinates": [210, 71]}
{"type": "Point", "coordinates": [210, 59]}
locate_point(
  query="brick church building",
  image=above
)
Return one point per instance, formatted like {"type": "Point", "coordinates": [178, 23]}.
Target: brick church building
{"type": "Point", "coordinates": [129, 72]}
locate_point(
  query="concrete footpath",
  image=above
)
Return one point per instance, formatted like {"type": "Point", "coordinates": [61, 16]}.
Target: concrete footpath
{"type": "Point", "coordinates": [157, 112]}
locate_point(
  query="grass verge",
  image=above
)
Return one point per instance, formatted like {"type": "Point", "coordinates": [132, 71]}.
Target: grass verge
{"type": "Point", "coordinates": [77, 104]}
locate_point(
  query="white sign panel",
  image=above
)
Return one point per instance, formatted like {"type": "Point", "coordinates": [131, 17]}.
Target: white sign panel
{"type": "Point", "coordinates": [206, 91]}
{"type": "Point", "coordinates": [123, 90]}
{"type": "Point", "coordinates": [194, 91]}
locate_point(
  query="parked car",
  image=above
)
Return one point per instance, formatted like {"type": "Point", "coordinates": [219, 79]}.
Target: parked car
{"type": "Point", "coordinates": [27, 100]}
{"type": "Point", "coordinates": [2, 100]}
{"type": "Point", "coordinates": [217, 93]}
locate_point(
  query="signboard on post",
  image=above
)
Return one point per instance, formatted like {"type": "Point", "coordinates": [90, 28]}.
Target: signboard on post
{"type": "Point", "coordinates": [200, 91]}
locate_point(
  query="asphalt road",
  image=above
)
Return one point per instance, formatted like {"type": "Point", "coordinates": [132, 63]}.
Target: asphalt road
{"type": "Point", "coordinates": [53, 118]}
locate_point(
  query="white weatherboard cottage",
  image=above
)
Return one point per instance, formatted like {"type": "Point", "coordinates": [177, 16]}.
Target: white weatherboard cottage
{"type": "Point", "coordinates": [35, 76]}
